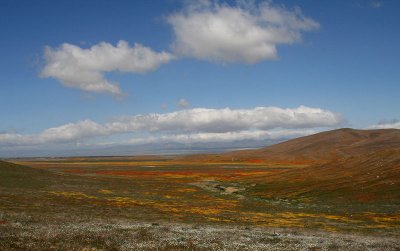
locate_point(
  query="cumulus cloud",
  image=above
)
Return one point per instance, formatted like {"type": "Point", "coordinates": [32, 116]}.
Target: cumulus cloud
{"type": "Point", "coordinates": [207, 30]}
{"type": "Point", "coordinates": [73, 131]}
{"type": "Point", "coordinates": [190, 124]}
{"type": "Point", "coordinates": [395, 124]}
{"type": "Point", "coordinates": [65, 133]}
{"type": "Point", "coordinates": [224, 137]}
{"type": "Point", "coordinates": [245, 32]}
{"type": "Point", "coordinates": [227, 120]}
{"type": "Point", "coordinates": [183, 103]}
{"type": "Point", "coordinates": [84, 68]}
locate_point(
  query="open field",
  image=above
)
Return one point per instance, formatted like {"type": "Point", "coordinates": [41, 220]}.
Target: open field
{"type": "Point", "coordinates": [122, 203]}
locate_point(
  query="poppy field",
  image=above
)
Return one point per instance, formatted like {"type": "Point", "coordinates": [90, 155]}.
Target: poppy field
{"type": "Point", "coordinates": [241, 195]}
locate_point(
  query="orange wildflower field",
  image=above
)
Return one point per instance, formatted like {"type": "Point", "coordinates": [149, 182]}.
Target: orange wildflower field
{"type": "Point", "coordinates": [242, 193]}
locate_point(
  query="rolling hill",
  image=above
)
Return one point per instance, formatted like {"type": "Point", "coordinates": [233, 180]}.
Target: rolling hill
{"type": "Point", "coordinates": [365, 177]}
{"type": "Point", "coordinates": [316, 148]}
{"type": "Point", "coordinates": [344, 164]}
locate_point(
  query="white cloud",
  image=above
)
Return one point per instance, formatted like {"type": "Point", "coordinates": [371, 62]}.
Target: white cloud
{"type": "Point", "coordinates": [387, 125]}
{"type": "Point", "coordinates": [224, 137]}
{"type": "Point", "coordinates": [208, 30]}
{"type": "Point", "coordinates": [227, 120]}
{"type": "Point", "coordinates": [243, 33]}
{"type": "Point", "coordinates": [73, 131]}
{"type": "Point", "coordinates": [70, 132]}
{"type": "Point", "coordinates": [183, 103]}
{"type": "Point", "coordinates": [84, 68]}
{"type": "Point", "coordinates": [190, 124]}
{"type": "Point", "coordinates": [15, 139]}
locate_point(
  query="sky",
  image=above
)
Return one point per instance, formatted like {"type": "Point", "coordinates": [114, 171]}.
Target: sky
{"type": "Point", "coordinates": [132, 77]}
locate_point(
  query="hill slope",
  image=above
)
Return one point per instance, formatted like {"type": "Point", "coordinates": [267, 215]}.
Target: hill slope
{"type": "Point", "coordinates": [320, 147]}
{"type": "Point", "coordinates": [365, 177]}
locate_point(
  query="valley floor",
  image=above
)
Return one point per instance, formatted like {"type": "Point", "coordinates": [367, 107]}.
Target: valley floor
{"type": "Point", "coordinates": [162, 204]}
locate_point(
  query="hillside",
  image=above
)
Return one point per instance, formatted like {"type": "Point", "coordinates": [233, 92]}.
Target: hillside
{"type": "Point", "coordinates": [320, 147]}
{"type": "Point", "coordinates": [364, 178]}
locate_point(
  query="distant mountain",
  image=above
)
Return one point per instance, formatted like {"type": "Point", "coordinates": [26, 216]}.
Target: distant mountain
{"type": "Point", "coordinates": [320, 147]}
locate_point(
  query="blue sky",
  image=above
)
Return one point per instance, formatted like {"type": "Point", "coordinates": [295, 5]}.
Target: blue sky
{"type": "Point", "coordinates": [338, 59]}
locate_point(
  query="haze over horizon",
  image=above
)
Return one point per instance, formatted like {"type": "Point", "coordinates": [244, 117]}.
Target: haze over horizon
{"type": "Point", "coordinates": [106, 77]}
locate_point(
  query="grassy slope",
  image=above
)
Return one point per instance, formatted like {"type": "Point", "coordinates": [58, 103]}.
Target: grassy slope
{"type": "Point", "coordinates": [372, 178]}
{"type": "Point", "coordinates": [14, 176]}
{"type": "Point", "coordinates": [320, 147]}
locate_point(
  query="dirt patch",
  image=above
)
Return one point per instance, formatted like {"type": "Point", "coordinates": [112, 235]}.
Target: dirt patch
{"type": "Point", "coordinates": [219, 187]}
